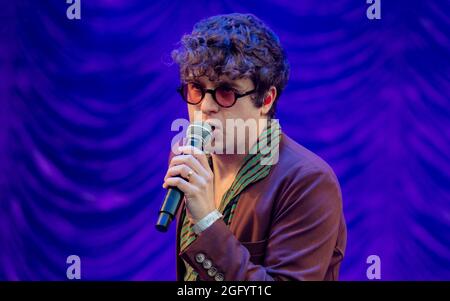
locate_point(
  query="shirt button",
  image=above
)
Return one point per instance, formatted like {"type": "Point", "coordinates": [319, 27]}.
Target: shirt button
{"type": "Point", "coordinates": [207, 264]}
{"type": "Point", "coordinates": [219, 277]}
{"type": "Point", "coordinates": [200, 257]}
{"type": "Point", "coordinates": [212, 271]}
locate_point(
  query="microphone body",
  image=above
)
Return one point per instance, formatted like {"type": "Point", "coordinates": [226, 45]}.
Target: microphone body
{"type": "Point", "coordinates": [198, 135]}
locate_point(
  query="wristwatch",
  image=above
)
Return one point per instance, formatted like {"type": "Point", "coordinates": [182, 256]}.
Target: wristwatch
{"type": "Point", "coordinates": [207, 221]}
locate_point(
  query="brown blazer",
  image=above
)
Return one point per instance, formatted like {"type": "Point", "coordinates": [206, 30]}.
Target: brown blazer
{"type": "Point", "coordinates": [288, 226]}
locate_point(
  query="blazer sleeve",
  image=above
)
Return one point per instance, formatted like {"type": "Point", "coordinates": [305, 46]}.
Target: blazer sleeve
{"type": "Point", "coordinates": [303, 235]}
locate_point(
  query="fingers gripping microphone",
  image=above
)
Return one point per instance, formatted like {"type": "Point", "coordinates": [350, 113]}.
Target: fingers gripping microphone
{"type": "Point", "coordinates": [198, 134]}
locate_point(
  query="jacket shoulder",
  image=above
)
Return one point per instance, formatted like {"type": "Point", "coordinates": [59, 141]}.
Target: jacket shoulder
{"type": "Point", "coordinates": [297, 159]}
{"type": "Point", "coordinates": [305, 179]}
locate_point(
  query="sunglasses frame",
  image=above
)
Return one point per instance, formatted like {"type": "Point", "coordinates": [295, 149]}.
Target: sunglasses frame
{"type": "Point", "coordinates": [182, 88]}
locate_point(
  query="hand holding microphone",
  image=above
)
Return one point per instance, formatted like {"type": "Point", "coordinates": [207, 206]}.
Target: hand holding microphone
{"type": "Point", "coordinates": [189, 175]}
{"type": "Point", "coordinates": [190, 172]}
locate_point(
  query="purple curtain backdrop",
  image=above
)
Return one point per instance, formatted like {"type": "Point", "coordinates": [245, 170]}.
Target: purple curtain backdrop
{"type": "Point", "coordinates": [86, 108]}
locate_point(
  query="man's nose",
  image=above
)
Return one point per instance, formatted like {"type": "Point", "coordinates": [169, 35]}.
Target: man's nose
{"type": "Point", "coordinates": [209, 105]}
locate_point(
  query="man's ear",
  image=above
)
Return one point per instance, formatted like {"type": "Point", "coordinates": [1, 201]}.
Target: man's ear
{"type": "Point", "coordinates": [268, 100]}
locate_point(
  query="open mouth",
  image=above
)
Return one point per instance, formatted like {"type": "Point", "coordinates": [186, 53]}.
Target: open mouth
{"type": "Point", "coordinates": [212, 124]}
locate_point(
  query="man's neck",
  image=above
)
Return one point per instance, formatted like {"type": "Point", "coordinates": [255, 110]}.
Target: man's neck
{"type": "Point", "coordinates": [226, 166]}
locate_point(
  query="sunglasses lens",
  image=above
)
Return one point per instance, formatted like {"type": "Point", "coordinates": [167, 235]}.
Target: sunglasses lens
{"type": "Point", "coordinates": [225, 96]}
{"type": "Point", "coordinates": [192, 93]}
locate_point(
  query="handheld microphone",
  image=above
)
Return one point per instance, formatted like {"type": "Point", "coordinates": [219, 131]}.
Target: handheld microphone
{"type": "Point", "coordinates": [198, 134]}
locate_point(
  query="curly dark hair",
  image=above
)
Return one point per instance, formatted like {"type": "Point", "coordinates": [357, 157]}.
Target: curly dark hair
{"type": "Point", "coordinates": [236, 46]}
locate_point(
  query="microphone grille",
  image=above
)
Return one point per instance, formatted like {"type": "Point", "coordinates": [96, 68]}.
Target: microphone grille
{"type": "Point", "coordinates": [199, 130]}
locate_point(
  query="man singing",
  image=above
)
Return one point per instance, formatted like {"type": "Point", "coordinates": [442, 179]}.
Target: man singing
{"type": "Point", "coordinates": [245, 217]}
